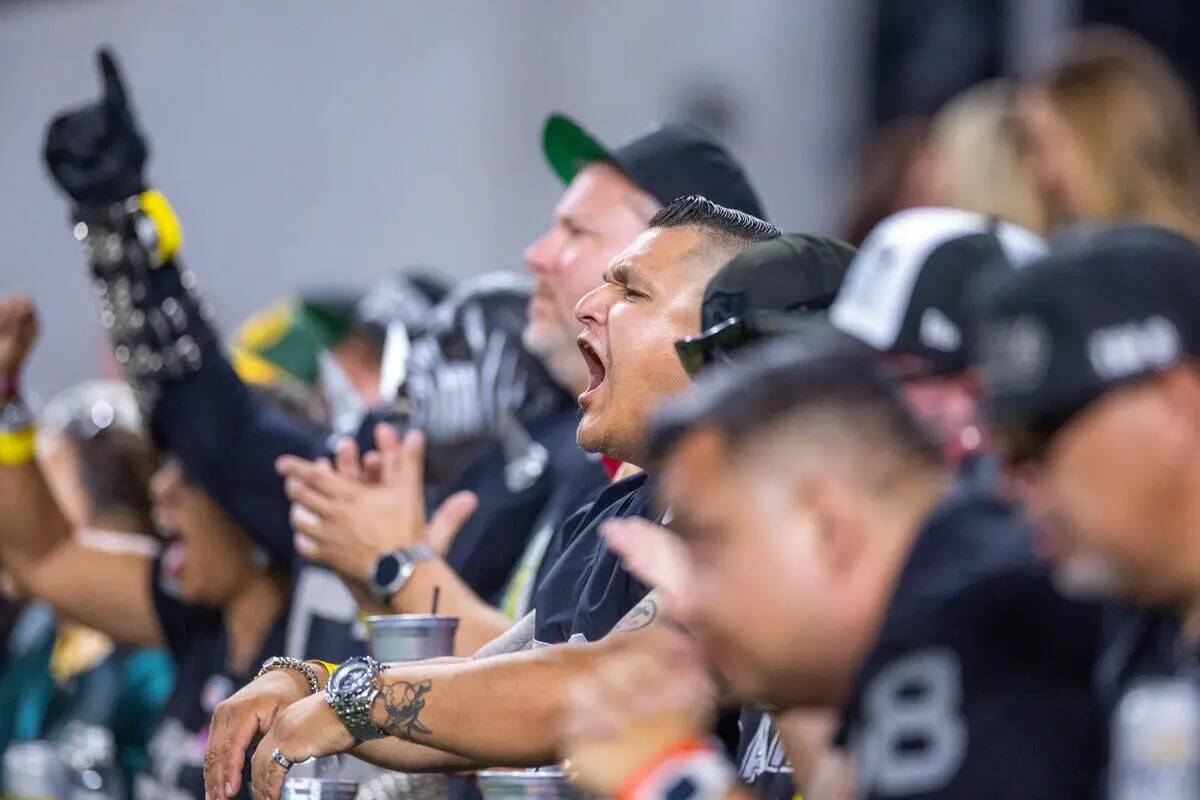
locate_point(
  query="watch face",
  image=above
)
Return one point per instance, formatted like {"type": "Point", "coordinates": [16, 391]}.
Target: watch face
{"type": "Point", "coordinates": [352, 678]}
{"type": "Point", "coordinates": [387, 570]}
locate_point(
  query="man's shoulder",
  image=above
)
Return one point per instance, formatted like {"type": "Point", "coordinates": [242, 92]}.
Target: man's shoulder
{"type": "Point", "coordinates": [1139, 643]}
{"type": "Point", "coordinates": [974, 587]}
{"type": "Point", "coordinates": [970, 545]}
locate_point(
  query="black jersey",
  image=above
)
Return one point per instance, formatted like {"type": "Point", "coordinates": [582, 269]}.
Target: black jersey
{"type": "Point", "coordinates": [979, 682]}
{"type": "Point", "coordinates": [196, 639]}
{"type": "Point", "coordinates": [586, 591]}
{"type": "Point", "coordinates": [1148, 684]}
{"type": "Point", "coordinates": [762, 762]}
{"type": "Point", "coordinates": [513, 503]}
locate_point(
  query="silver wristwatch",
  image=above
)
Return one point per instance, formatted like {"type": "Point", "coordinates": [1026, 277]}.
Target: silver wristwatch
{"type": "Point", "coordinates": [351, 691]}
{"type": "Point", "coordinates": [393, 569]}
{"type": "Point", "coordinates": [281, 662]}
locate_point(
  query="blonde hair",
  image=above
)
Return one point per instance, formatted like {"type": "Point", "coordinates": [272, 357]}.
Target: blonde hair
{"type": "Point", "coordinates": [1137, 122]}
{"type": "Point", "coordinates": [976, 142]}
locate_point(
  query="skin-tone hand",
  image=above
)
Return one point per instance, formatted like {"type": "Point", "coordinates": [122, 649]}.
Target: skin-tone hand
{"type": "Point", "coordinates": [635, 707]}
{"type": "Point", "coordinates": [307, 729]}
{"type": "Point", "coordinates": [346, 523]}
{"type": "Point", "coordinates": [653, 555]}
{"type": "Point", "coordinates": [18, 330]}
{"type": "Point", "coordinates": [242, 717]}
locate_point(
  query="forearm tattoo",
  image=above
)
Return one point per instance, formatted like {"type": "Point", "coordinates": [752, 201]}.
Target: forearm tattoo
{"type": "Point", "coordinates": [518, 637]}
{"type": "Point", "coordinates": [640, 616]}
{"type": "Point", "coordinates": [403, 702]}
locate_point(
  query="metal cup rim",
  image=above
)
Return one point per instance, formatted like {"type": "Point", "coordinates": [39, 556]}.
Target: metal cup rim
{"type": "Point", "coordinates": [542, 776]}
{"type": "Point", "coordinates": [411, 621]}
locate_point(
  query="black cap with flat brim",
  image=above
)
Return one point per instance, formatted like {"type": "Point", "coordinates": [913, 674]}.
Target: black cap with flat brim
{"type": "Point", "coordinates": [780, 287]}
{"type": "Point", "coordinates": [668, 161]}
{"type": "Point", "coordinates": [1096, 313]}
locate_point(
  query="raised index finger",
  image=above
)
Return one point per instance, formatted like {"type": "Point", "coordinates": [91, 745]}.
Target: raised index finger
{"type": "Point", "coordinates": [110, 77]}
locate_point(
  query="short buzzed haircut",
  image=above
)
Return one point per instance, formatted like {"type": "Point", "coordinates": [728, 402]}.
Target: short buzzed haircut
{"type": "Point", "coordinates": [726, 227]}
{"type": "Point", "coordinates": [839, 386]}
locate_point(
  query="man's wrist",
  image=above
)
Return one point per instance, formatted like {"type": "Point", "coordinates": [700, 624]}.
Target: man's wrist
{"type": "Point", "coordinates": [393, 570]}
{"type": "Point", "coordinates": [691, 770]}
{"type": "Point", "coordinates": [323, 669]}
{"type": "Point", "coordinates": [306, 675]}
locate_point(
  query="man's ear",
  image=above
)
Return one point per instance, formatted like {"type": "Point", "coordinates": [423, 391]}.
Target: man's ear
{"type": "Point", "coordinates": [833, 506]}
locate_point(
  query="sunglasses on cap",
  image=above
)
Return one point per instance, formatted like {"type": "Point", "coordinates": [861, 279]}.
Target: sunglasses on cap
{"type": "Point", "coordinates": [714, 345]}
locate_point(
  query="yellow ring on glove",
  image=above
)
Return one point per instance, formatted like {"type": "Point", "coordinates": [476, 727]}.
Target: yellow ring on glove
{"type": "Point", "coordinates": [170, 233]}
{"type": "Point", "coordinates": [17, 447]}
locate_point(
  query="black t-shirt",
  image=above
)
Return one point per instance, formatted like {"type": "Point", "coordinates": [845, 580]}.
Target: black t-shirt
{"type": "Point", "coordinates": [1146, 680]}
{"type": "Point", "coordinates": [585, 591]}
{"type": "Point", "coordinates": [762, 762]}
{"type": "Point", "coordinates": [197, 642]}
{"type": "Point", "coordinates": [979, 682]}
{"type": "Point", "coordinates": [511, 506]}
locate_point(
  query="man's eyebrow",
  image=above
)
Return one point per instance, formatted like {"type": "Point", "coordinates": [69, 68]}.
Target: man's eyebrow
{"type": "Point", "coordinates": [576, 218]}
{"type": "Point", "coordinates": [625, 273]}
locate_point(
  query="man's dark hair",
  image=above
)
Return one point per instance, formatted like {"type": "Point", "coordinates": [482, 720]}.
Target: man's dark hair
{"type": "Point", "coordinates": [726, 225]}
{"type": "Point", "coordinates": [782, 380]}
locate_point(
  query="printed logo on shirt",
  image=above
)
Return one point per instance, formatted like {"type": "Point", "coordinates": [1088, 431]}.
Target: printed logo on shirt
{"type": "Point", "coordinates": [764, 754]}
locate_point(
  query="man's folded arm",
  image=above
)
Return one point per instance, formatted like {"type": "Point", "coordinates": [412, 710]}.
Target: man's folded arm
{"type": "Point", "coordinates": [501, 710]}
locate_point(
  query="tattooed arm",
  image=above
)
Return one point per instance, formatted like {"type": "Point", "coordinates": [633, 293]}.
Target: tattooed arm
{"type": "Point", "coordinates": [402, 756]}
{"type": "Point", "coordinates": [501, 710]}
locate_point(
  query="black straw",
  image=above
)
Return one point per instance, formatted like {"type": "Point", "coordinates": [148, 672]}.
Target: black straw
{"type": "Point", "coordinates": [437, 595]}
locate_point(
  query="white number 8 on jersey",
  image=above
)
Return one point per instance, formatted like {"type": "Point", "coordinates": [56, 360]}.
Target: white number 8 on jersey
{"type": "Point", "coordinates": [914, 737]}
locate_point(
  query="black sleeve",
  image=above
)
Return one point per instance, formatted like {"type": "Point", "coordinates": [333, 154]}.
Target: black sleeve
{"type": "Point", "coordinates": [226, 437]}
{"type": "Point", "coordinates": [227, 440]}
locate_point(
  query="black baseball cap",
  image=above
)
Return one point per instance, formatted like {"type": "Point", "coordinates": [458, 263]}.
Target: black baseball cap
{"type": "Point", "coordinates": [907, 291]}
{"type": "Point", "coordinates": [1099, 311]}
{"type": "Point", "coordinates": [668, 161]}
{"type": "Point", "coordinates": [772, 289]}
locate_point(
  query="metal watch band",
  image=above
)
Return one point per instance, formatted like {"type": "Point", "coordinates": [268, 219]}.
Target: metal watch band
{"type": "Point", "coordinates": [282, 662]}
{"type": "Point", "coordinates": [353, 703]}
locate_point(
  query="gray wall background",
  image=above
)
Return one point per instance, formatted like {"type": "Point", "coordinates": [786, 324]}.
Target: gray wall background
{"type": "Point", "coordinates": [313, 142]}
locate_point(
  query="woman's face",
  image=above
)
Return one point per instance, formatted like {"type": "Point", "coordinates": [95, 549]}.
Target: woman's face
{"type": "Point", "coordinates": [210, 556]}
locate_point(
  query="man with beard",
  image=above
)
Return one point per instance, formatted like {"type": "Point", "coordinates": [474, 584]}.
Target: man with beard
{"type": "Point", "coordinates": [649, 299]}
{"type": "Point", "coordinates": [1090, 365]}
{"type": "Point", "coordinates": [609, 198]}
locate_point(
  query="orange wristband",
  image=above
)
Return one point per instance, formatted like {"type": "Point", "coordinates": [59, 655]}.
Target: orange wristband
{"type": "Point", "coordinates": [634, 782]}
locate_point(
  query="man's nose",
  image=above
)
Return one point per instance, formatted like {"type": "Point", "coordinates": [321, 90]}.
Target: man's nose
{"type": "Point", "coordinates": [592, 308]}
{"type": "Point", "coordinates": [542, 255]}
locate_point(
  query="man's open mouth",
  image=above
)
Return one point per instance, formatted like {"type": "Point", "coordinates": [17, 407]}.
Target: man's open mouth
{"type": "Point", "coordinates": [594, 364]}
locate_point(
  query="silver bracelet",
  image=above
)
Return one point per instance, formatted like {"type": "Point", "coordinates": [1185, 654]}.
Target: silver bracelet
{"type": "Point", "coordinates": [282, 662]}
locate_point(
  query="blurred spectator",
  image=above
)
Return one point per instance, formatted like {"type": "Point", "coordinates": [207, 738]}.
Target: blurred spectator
{"type": "Point", "coordinates": [60, 671]}
{"type": "Point", "coordinates": [894, 172]}
{"type": "Point", "coordinates": [1111, 134]}
{"type": "Point", "coordinates": [967, 157]}
{"type": "Point", "coordinates": [212, 597]}
{"type": "Point", "coordinates": [978, 165]}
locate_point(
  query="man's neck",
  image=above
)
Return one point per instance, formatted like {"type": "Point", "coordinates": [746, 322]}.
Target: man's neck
{"type": "Point", "coordinates": [898, 522]}
{"type": "Point", "coordinates": [249, 616]}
